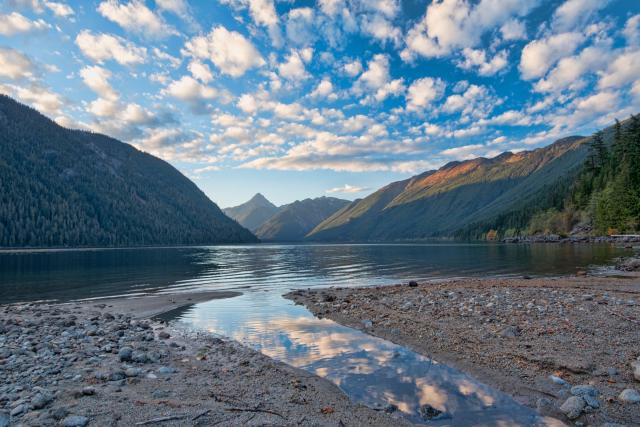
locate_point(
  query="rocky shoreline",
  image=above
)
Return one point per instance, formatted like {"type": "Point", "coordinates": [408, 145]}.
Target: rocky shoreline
{"type": "Point", "coordinates": [106, 363]}
{"type": "Point", "coordinates": [556, 238]}
{"type": "Point", "coordinates": [566, 346]}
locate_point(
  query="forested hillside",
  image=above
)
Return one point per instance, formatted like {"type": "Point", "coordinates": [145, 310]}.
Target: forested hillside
{"type": "Point", "coordinates": [605, 197]}
{"type": "Point", "coordinates": [61, 187]}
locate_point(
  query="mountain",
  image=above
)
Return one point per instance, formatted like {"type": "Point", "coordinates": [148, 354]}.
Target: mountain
{"type": "Point", "coordinates": [254, 213]}
{"type": "Point", "coordinates": [62, 187]}
{"type": "Point", "coordinates": [467, 195]}
{"type": "Point", "coordinates": [295, 220]}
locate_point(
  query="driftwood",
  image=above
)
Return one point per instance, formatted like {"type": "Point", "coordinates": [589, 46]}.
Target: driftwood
{"type": "Point", "coordinates": [160, 420]}
{"type": "Point", "coordinates": [201, 414]}
{"type": "Point", "coordinates": [266, 411]}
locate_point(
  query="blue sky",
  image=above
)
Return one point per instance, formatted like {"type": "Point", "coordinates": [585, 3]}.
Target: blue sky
{"type": "Point", "coordinates": [300, 99]}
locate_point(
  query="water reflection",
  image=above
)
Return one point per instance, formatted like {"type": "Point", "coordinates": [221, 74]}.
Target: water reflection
{"type": "Point", "coordinates": [369, 370]}
{"type": "Point", "coordinates": [76, 274]}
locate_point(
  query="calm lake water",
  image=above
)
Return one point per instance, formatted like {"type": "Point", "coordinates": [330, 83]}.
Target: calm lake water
{"type": "Point", "coordinates": [369, 370]}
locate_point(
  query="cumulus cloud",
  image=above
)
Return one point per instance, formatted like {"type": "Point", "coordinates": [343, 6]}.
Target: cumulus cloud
{"type": "Point", "coordinates": [324, 89]}
{"type": "Point", "coordinates": [632, 30]}
{"type": "Point", "coordinates": [514, 29]}
{"type": "Point", "coordinates": [105, 47]}
{"type": "Point", "coordinates": [136, 17]}
{"type": "Point", "coordinates": [200, 71]}
{"type": "Point", "coordinates": [623, 70]}
{"type": "Point", "coordinates": [97, 79]}
{"type": "Point", "coordinates": [263, 13]}
{"type": "Point", "coordinates": [376, 81]}
{"type": "Point", "coordinates": [476, 101]}
{"type": "Point", "coordinates": [15, 23]}
{"type": "Point", "coordinates": [62, 10]}
{"type": "Point", "coordinates": [189, 90]}
{"type": "Point", "coordinates": [347, 189]}
{"type": "Point", "coordinates": [423, 92]}
{"type": "Point", "coordinates": [179, 8]}
{"type": "Point", "coordinates": [300, 26]}
{"type": "Point", "coordinates": [353, 68]}
{"type": "Point", "coordinates": [449, 25]}
{"type": "Point", "coordinates": [569, 72]}
{"type": "Point", "coordinates": [574, 14]}
{"type": "Point", "coordinates": [477, 59]}
{"type": "Point", "coordinates": [228, 50]}
{"type": "Point", "coordinates": [540, 55]}
{"type": "Point", "coordinates": [15, 65]}
{"type": "Point", "coordinates": [293, 68]}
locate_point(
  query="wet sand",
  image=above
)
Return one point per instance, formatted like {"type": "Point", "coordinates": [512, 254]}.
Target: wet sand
{"type": "Point", "coordinates": [105, 363]}
{"type": "Point", "coordinates": [532, 338]}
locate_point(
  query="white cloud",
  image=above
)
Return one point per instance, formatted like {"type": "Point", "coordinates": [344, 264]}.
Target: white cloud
{"type": "Point", "coordinates": [263, 13]}
{"type": "Point", "coordinates": [15, 65]}
{"type": "Point", "coordinates": [136, 17]}
{"type": "Point", "coordinates": [38, 96]}
{"type": "Point", "coordinates": [347, 189]}
{"type": "Point", "coordinates": [353, 68]}
{"type": "Point", "coordinates": [623, 70]}
{"type": "Point", "coordinates": [293, 68]}
{"type": "Point", "coordinates": [97, 79]}
{"type": "Point", "coordinates": [510, 117]}
{"type": "Point", "coordinates": [540, 55]}
{"type": "Point", "coordinates": [464, 152]}
{"type": "Point", "coordinates": [570, 70]}
{"type": "Point", "coordinates": [228, 50]}
{"type": "Point", "coordinates": [15, 23]}
{"type": "Point", "coordinates": [574, 14]}
{"type": "Point", "coordinates": [324, 90]}
{"type": "Point", "coordinates": [62, 10]}
{"type": "Point", "coordinates": [179, 8]}
{"type": "Point", "coordinates": [188, 89]}
{"type": "Point", "coordinates": [300, 26]}
{"type": "Point", "coordinates": [477, 58]}
{"type": "Point", "coordinates": [632, 30]}
{"type": "Point", "coordinates": [514, 29]}
{"type": "Point", "coordinates": [476, 101]}
{"type": "Point", "coordinates": [449, 25]}
{"type": "Point", "coordinates": [381, 28]}
{"type": "Point", "coordinates": [423, 92]}
{"type": "Point", "coordinates": [104, 47]}
{"type": "Point", "coordinates": [248, 103]}
{"type": "Point", "coordinates": [200, 71]}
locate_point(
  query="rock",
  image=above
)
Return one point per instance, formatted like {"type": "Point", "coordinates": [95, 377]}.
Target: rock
{"type": "Point", "coordinates": [613, 425]}
{"type": "Point", "coordinates": [164, 335]}
{"type": "Point", "coordinates": [74, 421]}
{"type": "Point", "coordinates": [629, 396]}
{"type": "Point", "coordinates": [117, 376]}
{"type": "Point", "coordinates": [591, 401]}
{"type": "Point", "coordinates": [636, 369]}
{"type": "Point", "coordinates": [573, 407]}
{"type": "Point", "coordinates": [557, 380]}
{"type": "Point", "coordinates": [41, 400]}
{"type": "Point", "coordinates": [160, 394]}
{"type": "Point", "coordinates": [367, 324]}
{"type": "Point", "coordinates": [510, 332]}
{"type": "Point", "coordinates": [584, 390]}
{"type": "Point", "coordinates": [59, 413]}
{"type": "Point", "coordinates": [428, 412]}
{"type": "Point", "coordinates": [547, 408]}
{"type": "Point", "coordinates": [4, 419]}
{"type": "Point", "coordinates": [133, 372]}
{"type": "Point", "coordinates": [165, 370]}
{"type": "Point", "coordinates": [413, 284]}
{"type": "Point", "coordinates": [18, 410]}
{"type": "Point", "coordinates": [88, 391]}
{"type": "Point", "coordinates": [125, 354]}
{"type": "Point", "coordinates": [139, 357]}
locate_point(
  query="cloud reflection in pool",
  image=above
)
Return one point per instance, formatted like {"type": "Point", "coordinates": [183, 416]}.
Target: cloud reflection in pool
{"type": "Point", "coordinates": [369, 370]}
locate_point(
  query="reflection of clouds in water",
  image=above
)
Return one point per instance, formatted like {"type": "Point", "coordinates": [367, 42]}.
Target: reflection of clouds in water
{"type": "Point", "coordinates": [368, 369]}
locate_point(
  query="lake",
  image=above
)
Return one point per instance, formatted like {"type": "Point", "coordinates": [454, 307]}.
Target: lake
{"type": "Point", "coordinates": [369, 370]}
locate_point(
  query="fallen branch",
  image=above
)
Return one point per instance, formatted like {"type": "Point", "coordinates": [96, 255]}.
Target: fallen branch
{"type": "Point", "coordinates": [266, 411]}
{"type": "Point", "coordinates": [621, 315]}
{"type": "Point", "coordinates": [161, 420]}
{"type": "Point", "coordinates": [201, 414]}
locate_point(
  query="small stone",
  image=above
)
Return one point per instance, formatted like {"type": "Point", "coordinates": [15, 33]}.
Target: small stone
{"type": "Point", "coordinates": [88, 391]}
{"type": "Point", "coordinates": [573, 407]}
{"type": "Point", "coordinates": [636, 369]}
{"type": "Point", "coordinates": [74, 421]}
{"type": "Point", "coordinates": [18, 410]}
{"type": "Point", "coordinates": [125, 354]}
{"type": "Point", "coordinates": [584, 390]}
{"type": "Point", "coordinates": [591, 401]}
{"type": "Point", "coordinates": [41, 400]}
{"type": "Point", "coordinates": [165, 370]}
{"type": "Point", "coordinates": [164, 335]}
{"type": "Point", "coordinates": [557, 380]}
{"type": "Point", "coordinates": [510, 332]}
{"type": "Point", "coordinates": [367, 324]}
{"type": "Point", "coordinates": [428, 412]}
{"type": "Point", "coordinates": [629, 396]}
{"type": "Point", "coordinates": [133, 372]}
{"type": "Point", "coordinates": [117, 376]}
{"type": "Point", "coordinates": [413, 284]}
{"type": "Point", "coordinates": [613, 425]}
{"type": "Point", "coordinates": [139, 357]}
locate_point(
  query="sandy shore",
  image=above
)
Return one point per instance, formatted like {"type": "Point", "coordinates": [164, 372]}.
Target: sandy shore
{"type": "Point", "coordinates": [534, 339]}
{"type": "Point", "coordinates": [104, 363]}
